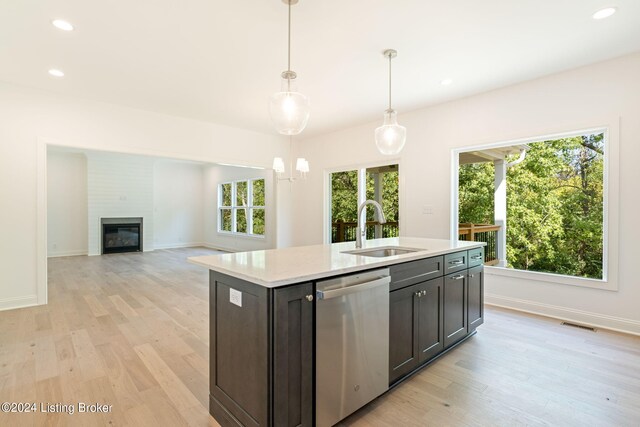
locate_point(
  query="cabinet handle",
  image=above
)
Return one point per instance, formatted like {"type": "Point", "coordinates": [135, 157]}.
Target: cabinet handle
{"type": "Point", "coordinates": [476, 257]}
{"type": "Point", "coordinates": [456, 262]}
{"type": "Point", "coordinates": [458, 277]}
{"type": "Point", "coordinates": [309, 298]}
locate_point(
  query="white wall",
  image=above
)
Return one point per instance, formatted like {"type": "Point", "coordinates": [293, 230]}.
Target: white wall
{"type": "Point", "coordinates": [214, 175]}
{"type": "Point", "coordinates": [179, 207]}
{"type": "Point", "coordinates": [67, 204]}
{"type": "Point", "coordinates": [29, 118]}
{"type": "Point", "coordinates": [119, 186]}
{"type": "Point", "coordinates": [577, 99]}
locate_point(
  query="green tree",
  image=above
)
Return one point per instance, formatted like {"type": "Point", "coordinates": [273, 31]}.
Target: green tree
{"type": "Point", "coordinates": [554, 205]}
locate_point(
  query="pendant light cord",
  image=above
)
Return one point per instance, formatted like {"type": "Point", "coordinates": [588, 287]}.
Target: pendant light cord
{"type": "Point", "coordinates": [289, 51]}
{"type": "Point", "coordinates": [389, 82]}
{"type": "Point", "coordinates": [289, 45]}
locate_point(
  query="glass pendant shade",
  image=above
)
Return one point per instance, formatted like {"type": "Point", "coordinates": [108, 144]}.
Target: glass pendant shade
{"type": "Point", "coordinates": [390, 137]}
{"type": "Point", "coordinates": [289, 109]}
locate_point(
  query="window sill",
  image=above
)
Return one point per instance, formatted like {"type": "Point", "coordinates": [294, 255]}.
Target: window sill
{"type": "Point", "coordinates": [552, 278]}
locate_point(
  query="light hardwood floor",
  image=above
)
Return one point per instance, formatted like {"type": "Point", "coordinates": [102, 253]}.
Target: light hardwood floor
{"type": "Point", "coordinates": [131, 331]}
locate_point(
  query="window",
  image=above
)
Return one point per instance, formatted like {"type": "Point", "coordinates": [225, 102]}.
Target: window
{"type": "Point", "coordinates": [241, 207]}
{"type": "Point", "coordinates": [540, 206]}
{"type": "Point", "coordinates": [350, 188]}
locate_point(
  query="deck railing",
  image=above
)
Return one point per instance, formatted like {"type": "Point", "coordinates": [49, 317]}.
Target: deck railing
{"type": "Point", "coordinates": [343, 231]}
{"type": "Point", "coordinates": [487, 233]}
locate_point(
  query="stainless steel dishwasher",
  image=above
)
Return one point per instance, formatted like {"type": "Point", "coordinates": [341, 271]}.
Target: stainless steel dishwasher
{"type": "Point", "coordinates": [352, 343]}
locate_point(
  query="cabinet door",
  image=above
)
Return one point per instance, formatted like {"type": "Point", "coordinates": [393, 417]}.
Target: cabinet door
{"type": "Point", "coordinates": [430, 319]}
{"type": "Point", "coordinates": [476, 297]}
{"type": "Point", "coordinates": [455, 307]}
{"type": "Point", "coordinates": [293, 356]}
{"type": "Point", "coordinates": [404, 353]}
{"type": "Point", "coordinates": [239, 358]}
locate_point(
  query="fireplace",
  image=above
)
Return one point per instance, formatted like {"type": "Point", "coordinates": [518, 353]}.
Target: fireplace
{"type": "Point", "coordinates": [121, 235]}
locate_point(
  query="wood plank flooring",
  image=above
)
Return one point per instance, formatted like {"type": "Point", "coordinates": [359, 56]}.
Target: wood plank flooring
{"type": "Point", "coordinates": [131, 331]}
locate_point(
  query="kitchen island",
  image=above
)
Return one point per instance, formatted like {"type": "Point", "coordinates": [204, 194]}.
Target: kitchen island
{"type": "Point", "coordinates": [268, 360]}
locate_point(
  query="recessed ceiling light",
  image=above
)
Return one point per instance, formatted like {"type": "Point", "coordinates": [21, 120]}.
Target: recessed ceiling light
{"type": "Point", "coordinates": [604, 13]}
{"type": "Point", "coordinates": [446, 82]}
{"type": "Point", "coordinates": [56, 73]}
{"type": "Point", "coordinates": [63, 25]}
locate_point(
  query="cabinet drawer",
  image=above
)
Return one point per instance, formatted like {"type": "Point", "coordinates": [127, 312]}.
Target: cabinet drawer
{"type": "Point", "coordinates": [409, 273]}
{"type": "Point", "coordinates": [476, 257]}
{"type": "Point", "coordinates": [455, 262]}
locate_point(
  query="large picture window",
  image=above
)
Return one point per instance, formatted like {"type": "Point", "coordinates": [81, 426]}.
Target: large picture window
{"type": "Point", "coordinates": [241, 207]}
{"type": "Point", "coordinates": [539, 206]}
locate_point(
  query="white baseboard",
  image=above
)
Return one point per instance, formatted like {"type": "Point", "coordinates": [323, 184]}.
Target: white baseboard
{"type": "Point", "coordinates": [178, 245]}
{"type": "Point", "coordinates": [18, 302]}
{"type": "Point", "coordinates": [217, 247]}
{"type": "Point", "coordinates": [618, 324]}
{"type": "Point", "coordinates": [67, 253]}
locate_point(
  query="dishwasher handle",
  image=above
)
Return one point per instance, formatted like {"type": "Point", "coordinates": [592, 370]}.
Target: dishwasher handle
{"type": "Point", "coordinates": [335, 293]}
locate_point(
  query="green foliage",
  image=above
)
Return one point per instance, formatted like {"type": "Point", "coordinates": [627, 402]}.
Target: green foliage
{"type": "Point", "coordinates": [476, 193]}
{"type": "Point", "coordinates": [554, 205]}
{"type": "Point", "coordinates": [344, 196]}
{"type": "Point", "coordinates": [344, 200]}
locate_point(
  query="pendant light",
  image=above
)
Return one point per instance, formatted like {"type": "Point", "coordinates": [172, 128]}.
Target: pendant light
{"type": "Point", "coordinates": [390, 137]}
{"type": "Point", "coordinates": [302, 166]}
{"type": "Point", "coordinates": [289, 109]}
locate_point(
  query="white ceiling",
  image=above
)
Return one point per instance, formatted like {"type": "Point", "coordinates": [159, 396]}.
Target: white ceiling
{"type": "Point", "coordinates": [220, 60]}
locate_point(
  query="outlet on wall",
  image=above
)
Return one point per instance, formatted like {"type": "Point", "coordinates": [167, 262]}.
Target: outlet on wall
{"type": "Point", "coordinates": [427, 210]}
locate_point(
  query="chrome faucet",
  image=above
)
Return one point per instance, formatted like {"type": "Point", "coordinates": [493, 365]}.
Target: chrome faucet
{"type": "Point", "coordinates": [360, 231]}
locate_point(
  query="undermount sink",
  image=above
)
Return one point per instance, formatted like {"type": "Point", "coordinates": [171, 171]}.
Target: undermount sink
{"type": "Point", "coordinates": [383, 251]}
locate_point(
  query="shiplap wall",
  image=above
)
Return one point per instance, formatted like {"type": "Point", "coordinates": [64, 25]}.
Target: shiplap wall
{"type": "Point", "coordinates": [119, 186]}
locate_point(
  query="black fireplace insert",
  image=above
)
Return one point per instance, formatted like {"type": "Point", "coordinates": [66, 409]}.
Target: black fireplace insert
{"type": "Point", "coordinates": [118, 238]}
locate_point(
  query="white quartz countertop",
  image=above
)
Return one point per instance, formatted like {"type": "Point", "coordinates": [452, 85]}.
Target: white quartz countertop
{"type": "Point", "coordinates": [273, 268]}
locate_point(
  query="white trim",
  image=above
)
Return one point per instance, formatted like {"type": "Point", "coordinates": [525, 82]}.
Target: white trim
{"type": "Point", "coordinates": [18, 302]}
{"type": "Point", "coordinates": [540, 276]}
{"type": "Point", "coordinates": [41, 222]}
{"type": "Point", "coordinates": [62, 254]}
{"type": "Point", "coordinates": [618, 324]}
{"type": "Point", "coordinates": [177, 245]}
{"type": "Point", "coordinates": [326, 220]}
{"type": "Point", "coordinates": [249, 208]}
{"type": "Point", "coordinates": [218, 247]}
{"type": "Point", "coordinates": [611, 211]}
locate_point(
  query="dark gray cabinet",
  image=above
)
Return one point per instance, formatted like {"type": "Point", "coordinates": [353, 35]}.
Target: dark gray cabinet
{"type": "Point", "coordinates": [428, 316]}
{"type": "Point", "coordinates": [456, 261]}
{"type": "Point", "coordinates": [455, 307]}
{"type": "Point", "coordinates": [476, 297]}
{"type": "Point", "coordinates": [415, 326]}
{"type": "Point", "coordinates": [403, 325]}
{"type": "Point", "coordinates": [262, 340]}
{"type": "Point", "coordinates": [261, 362]}
{"type": "Point", "coordinates": [430, 319]}
{"type": "Point", "coordinates": [293, 356]}
{"type": "Point", "coordinates": [409, 273]}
